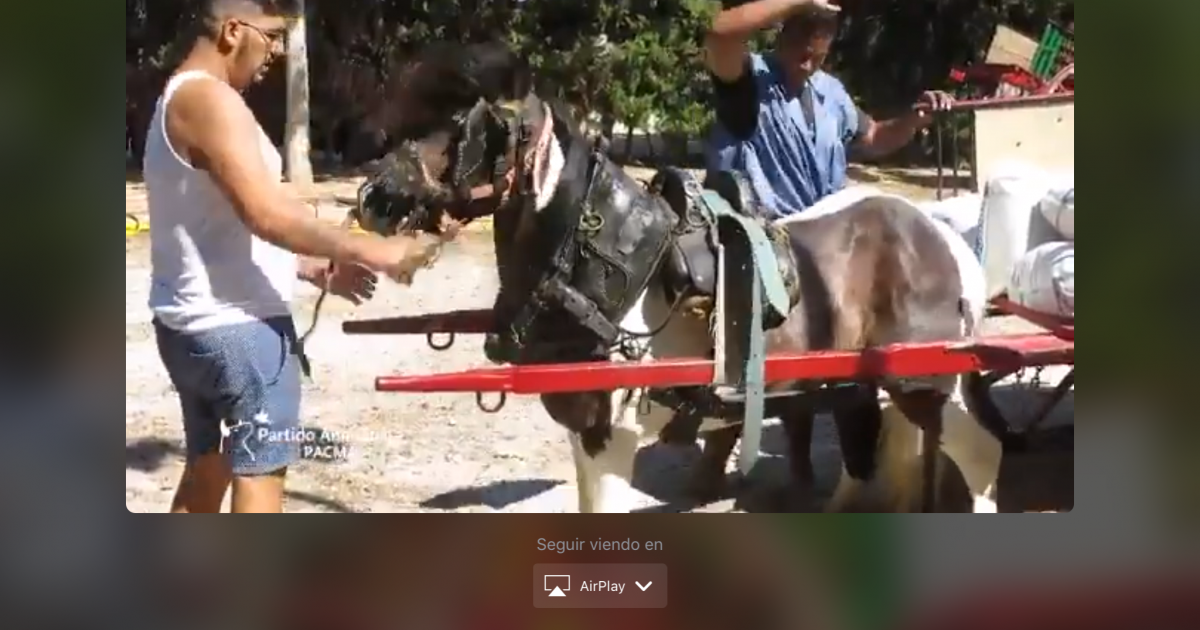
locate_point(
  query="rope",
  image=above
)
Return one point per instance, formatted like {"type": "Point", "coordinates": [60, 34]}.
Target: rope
{"type": "Point", "coordinates": [348, 223]}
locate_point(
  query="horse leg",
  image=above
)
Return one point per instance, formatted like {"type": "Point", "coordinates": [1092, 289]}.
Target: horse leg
{"type": "Point", "coordinates": [859, 420]}
{"type": "Point", "coordinates": [708, 478]}
{"type": "Point", "coordinates": [584, 475]}
{"type": "Point", "coordinates": [603, 444]}
{"type": "Point", "coordinates": [923, 408]}
{"type": "Point", "coordinates": [975, 450]}
{"type": "Point", "coordinates": [797, 419]}
{"type": "Point", "coordinates": [606, 477]}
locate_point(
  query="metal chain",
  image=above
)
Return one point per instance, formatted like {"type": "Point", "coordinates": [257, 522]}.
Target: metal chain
{"type": "Point", "coordinates": [1036, 381]}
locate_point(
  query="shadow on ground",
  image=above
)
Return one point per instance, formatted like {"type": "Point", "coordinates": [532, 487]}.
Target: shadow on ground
{"type": "Point", "coordinates": [1039, 476]}
{"type": "Point", "coordinates": [151, 454]}
{"type": "Point", "coordinates": [497, 495]}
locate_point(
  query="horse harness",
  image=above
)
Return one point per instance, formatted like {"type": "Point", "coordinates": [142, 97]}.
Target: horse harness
{"type": "Point", "coordinates": [605, 237]}
{"type": "Point", "coordinates": [599, 242]}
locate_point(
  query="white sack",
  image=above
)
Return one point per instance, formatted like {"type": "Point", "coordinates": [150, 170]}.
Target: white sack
{"type": "Point", "coordinates": [1009, 227]}
{"type": "Point", "coordinates": [961, 213]}
{"type": "Point", "coordinates": [1058, 206]}
{"type": "Point", "coordinates": [1044, 279]}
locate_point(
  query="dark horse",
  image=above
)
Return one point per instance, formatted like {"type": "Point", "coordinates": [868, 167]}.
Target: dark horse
{"type": "Point", "coordinates": [594, 265]}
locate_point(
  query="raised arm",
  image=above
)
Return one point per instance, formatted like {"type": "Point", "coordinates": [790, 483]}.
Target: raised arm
{"type": "Point", "coordinates": [725, 44]}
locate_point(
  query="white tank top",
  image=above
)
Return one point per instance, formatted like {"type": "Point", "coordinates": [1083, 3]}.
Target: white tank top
{"type": "Point", "coordinates": [207, 268]}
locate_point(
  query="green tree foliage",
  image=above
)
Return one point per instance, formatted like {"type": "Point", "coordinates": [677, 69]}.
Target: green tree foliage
{"type": "Point", "coordinates": [637, 62]}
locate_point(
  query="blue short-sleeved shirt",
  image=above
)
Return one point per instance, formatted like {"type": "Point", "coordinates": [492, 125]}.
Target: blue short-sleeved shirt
{"type": "Point", "coordinates": [762, 130]}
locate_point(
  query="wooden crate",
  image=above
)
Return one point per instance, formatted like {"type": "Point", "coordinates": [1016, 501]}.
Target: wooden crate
{"type": "Point", "coordinates": [1010, 47]}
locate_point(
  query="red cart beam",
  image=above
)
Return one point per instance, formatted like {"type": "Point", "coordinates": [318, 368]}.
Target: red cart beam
{"type": "Point", "coordinates": [1060, 326]}
{"type": "Point", "coordinates": [478, 321]}
{"type": "Point", "coordinates": [1010, 352]}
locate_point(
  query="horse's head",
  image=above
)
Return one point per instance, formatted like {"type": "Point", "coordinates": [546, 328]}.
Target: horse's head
{"type": "Point", "coordinates": [452, 132]}
{"type": "Point", "coordinates": [494, 161]}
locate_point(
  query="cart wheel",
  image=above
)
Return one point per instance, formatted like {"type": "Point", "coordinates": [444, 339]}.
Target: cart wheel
{"type": "Point", "coordinates": [977, 391]}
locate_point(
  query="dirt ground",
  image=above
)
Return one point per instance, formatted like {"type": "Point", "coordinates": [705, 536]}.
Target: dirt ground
{"type": "Point", "coordinates": [422, 453]}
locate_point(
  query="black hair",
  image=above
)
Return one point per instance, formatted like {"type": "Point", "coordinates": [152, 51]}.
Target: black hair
{"type": "Point", "coordinates": [218, 8]}
{"type": "Point", "coordinates": [209, 14]}
{"type": "Point", "coordinates": [810, 21]}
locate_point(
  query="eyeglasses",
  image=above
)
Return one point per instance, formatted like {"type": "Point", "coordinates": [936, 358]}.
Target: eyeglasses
{"type": "Point", "coordinates": [272, 37]}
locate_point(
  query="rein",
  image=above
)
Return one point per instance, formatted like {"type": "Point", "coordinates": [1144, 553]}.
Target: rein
{"type": "Point", "coordinates": [326, 286]}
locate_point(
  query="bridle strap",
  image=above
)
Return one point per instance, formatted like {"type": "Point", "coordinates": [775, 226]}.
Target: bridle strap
{"type": "Point", "coordinates": [526, 160]}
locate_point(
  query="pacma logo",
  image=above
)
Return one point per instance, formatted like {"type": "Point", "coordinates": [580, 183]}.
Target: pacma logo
{"type": "Point", "coordinates": [260, 422]}
{"type": "Point", "coordinates": [318, 445]}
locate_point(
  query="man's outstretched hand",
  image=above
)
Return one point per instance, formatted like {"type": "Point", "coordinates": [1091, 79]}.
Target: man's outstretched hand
{"type": "Point", "coordinates": [353, 283]}
{"type": "Point", "coordinates": [399, 257]}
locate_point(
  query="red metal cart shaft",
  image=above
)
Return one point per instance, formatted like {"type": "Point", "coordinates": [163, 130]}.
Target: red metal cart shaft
{"type": "Point", "coordinates": [901, 360]}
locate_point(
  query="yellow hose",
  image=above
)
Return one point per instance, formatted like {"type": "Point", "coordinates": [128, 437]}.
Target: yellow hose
{"type": "Point", "coordinates": [135, 226]}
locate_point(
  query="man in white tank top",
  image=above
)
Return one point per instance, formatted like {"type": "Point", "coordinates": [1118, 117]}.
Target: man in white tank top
{"type": "Point", "coordinates": [224, 239]}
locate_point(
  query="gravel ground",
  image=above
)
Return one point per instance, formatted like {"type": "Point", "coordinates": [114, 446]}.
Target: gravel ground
{"type": "Point", "coordinates": [408, 453]}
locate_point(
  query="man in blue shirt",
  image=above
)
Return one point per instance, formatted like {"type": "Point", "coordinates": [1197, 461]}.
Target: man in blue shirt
{"type": "Point", "coordinates": [782, 120]}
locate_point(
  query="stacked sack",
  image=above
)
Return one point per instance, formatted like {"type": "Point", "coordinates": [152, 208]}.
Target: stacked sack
{"type": "Point", "coordinates": [1027, 238]}
{"type": "Point", "coordinates": [1044, 278]}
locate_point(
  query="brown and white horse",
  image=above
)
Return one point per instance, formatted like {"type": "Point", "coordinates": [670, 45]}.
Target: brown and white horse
{"type": "Point", "coordinates": [873, 270]}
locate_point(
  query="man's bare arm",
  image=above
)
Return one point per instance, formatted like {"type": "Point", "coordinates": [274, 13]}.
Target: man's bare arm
{"type": "Point", "coordinates": [725, 44]}
{"type": "Point", "coordinates": [877, 139]}
{"type": "Point", "coordinates": [222, 137]}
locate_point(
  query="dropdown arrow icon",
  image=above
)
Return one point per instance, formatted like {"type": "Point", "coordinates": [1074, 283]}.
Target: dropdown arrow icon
{"type": "Point", "coordinates": [639, 585]}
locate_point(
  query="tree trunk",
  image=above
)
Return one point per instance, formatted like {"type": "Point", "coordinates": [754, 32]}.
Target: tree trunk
{"type": "Point", "coordinates": [296, 140]}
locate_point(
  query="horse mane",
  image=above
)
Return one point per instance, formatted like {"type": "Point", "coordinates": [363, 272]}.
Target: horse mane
{"type": "Point", "coordinates": [447, 79]}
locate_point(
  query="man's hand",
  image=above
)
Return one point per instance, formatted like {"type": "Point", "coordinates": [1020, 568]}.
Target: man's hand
{"type": "Point", "coordinates": [354, 283]}
{"type": "Point", "coordinates": [725, 46]}
{"type": "Point", "coordinates": [928, 105]}
{"type": "Point", "coordinates": [399, 257]}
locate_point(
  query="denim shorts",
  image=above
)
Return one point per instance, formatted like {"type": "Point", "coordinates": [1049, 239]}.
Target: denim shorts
{"type": "Point", "coordinates": [239, 389]}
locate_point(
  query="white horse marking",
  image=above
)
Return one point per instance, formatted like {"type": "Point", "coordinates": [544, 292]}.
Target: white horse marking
{"type": "Point", "coordinates": [606, 481]}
